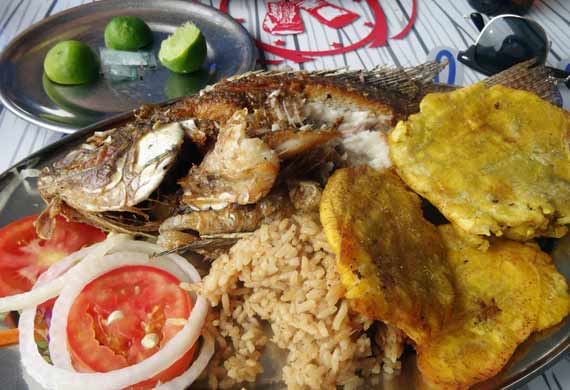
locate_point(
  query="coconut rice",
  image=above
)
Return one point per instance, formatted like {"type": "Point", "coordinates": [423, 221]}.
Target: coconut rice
{"type": "Point", "coordinates": [284, 275]}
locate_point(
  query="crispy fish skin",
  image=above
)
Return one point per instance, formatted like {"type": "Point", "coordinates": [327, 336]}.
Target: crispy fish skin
{"type": "Point", "coordinates": [391, 260]}
{"type": "Point", "coordinates": [288, 99]}
{"type": "Point", "coordinates": [232, 219]}
{"type": "Point", "coordinates": [500, 298]}
{"type": "Point", "coordinates": [494, 161]}
{"type": "Point", "coordinates": [113, 170]}
{"type": "Point", "coordinates": [289, 143]}
{"type": "Point", "coordinates": [300, 196]}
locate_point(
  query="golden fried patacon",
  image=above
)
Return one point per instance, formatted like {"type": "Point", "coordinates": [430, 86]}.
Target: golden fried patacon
{"type": "Point", "coordinates": [391, 260]}
{"type": "Point", "coordinates": [500, 300]}
{"type": "Point", "coordinates": [492, 160]}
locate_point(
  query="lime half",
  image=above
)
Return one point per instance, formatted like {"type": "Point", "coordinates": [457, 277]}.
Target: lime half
{"type": "Point", "coordinates": [71, 62]}
{"type": "Point", "coordinates": [127, 33]}
{"type": "Point", "coordinates": [185, 50]}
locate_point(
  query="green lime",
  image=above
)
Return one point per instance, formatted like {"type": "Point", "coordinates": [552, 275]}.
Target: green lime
{"type": "Point", "coordinates": [178, 85]}
{"type": "Point", "coordinates": [71, 62]}
{"type": "Point", "coordinates": [127, 33]}
{"type": "Point", "coordinates": [185, 50]}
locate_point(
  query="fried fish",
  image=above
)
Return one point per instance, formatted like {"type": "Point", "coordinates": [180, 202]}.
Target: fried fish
{"type": "Point", "coordinates": [494, 161]}
{"type": "Point", "coordinates": [117, 177]}
{"type": "Point", "coordinates": [125, 178]}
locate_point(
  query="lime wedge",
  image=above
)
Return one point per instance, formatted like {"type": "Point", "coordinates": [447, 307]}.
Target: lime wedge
{"type": "Point", "coordinates": [71, 62]}
{"type": "Point", "coordinates": [127, 33]}
{"type": "Point", "coordinates": [185, 50]}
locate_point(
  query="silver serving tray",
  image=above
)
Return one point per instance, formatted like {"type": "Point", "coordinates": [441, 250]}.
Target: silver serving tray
{"type": "Point", "coordinates": [19, 199]}
{"type": "Point", "coordinates": [25, 92]}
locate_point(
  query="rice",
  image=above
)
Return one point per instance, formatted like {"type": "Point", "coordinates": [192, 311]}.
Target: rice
{"type": "Point", "coordinates": [284, 275]}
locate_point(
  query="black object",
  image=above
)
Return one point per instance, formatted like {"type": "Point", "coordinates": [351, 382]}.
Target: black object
{"type": "Point", "coordinates": [506, 41]}
{"type": "Point", "coordinates": [477, 20]}
{"type": "Point", "coordinates": [497, 7]}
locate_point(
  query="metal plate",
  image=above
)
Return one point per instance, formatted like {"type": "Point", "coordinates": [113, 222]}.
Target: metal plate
{"type": "Point", "coordinates": [68, 108]}
{"type": "Point", "coordinates": [18, 199]}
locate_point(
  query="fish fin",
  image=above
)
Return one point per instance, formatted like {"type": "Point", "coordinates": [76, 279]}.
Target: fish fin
{"type": "Point", "coordinates": [206, 242]}
{"type": "Point", "coordinates": [415, 82]}
{"type": "Point", "coordinates": [45, 223]}
{"type": "Point", "coordinates": [530, 77]}
{"type": "Point", "coordinates": [406, 81]}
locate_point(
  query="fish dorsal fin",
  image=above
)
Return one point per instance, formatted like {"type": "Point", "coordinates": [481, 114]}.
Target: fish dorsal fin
{"type": "Point", "coordinates": [413, 83]}
{"type": "Point", "coordinates": [530, 77]}
{"type": "Point", "coordinates": [406, 81]}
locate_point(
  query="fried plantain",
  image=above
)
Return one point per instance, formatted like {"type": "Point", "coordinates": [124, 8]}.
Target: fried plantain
{"type": "Point", "coordinates": [504, 294]}
{"type": "Point", "coordinates": [494, 161]}
{"type": "Point", "coordinates": [391, 260]}
{"type": "Point", "coordinates": [555, 301]}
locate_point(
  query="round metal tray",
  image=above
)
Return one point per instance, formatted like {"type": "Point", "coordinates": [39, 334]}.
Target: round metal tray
{"type": "Point", "coordinates": [531, 358]}
{"type": "Point", "coordinates": [25, 91]}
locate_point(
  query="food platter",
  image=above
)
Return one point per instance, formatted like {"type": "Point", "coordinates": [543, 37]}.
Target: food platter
{"type": "Point", "coordinates": [309, 229]}
{"type": "Point", "coordinates": [18, 198]}
{"type": "Point", "coordinates": [25, 92]}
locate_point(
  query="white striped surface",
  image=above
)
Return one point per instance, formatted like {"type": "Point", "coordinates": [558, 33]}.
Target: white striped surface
{"type": "Point", "coordinates": [439, 24]}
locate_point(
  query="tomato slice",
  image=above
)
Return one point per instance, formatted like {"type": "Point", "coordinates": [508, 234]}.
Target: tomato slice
{"type": "Point", "coordinates": [113, 319]}
{"type": "Point", "coordinates": [24, 256]}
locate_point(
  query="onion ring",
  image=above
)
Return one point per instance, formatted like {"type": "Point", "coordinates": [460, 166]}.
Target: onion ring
{"type": "Point", "coordinates": [47, 291]}
{"type": "Point", "coordinates": [189, 376]}
{"type": "Point", "coordinates": [53, 377]}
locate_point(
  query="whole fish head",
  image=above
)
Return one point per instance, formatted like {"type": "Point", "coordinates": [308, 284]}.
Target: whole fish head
{"type": "Point", "coordinates": [113, 170]}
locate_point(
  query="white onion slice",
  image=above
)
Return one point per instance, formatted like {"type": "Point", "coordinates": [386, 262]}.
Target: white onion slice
{"type": "Point", "coordinates": [189, 376]}
{"type": "Point", "coordinates": [33, 297]}
{"type": "Point", "coordinates": [52, 377]}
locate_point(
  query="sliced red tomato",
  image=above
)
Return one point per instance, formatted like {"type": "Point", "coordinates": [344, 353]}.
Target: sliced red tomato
{"type": "Point", "coordinates": [114, 320]}
{"type": "Point", "coordinates": [24, 256]}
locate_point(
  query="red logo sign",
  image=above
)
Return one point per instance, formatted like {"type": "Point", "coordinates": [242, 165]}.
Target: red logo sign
{"type": "Point", "coordinates": [284, 18]}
